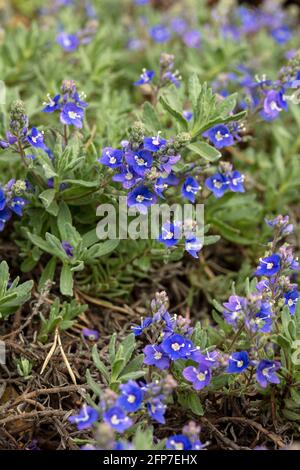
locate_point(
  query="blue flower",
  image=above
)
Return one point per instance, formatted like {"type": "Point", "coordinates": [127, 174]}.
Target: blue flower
{"type": "Point", "coordinates": [192, 39]}
{"type": "Point", "coordinates": [85, 418]}
{"type": "Point", "coordinates": [155, 356]}
{"type": "Point", "coordinates": [131, 396]}
{"type": "Point", "coordinates": [190, 188]}
{"type": "Point", "coordinates": [274, 103]}
{"type": "Point", "coordinates": [269, 266]}
{"type": "Point", "coordinates": [291, 300]}
{"type": "Point", "coordinates": [199, 376]}
{"type": "Point", "coordinates": [188, 115]}
{"type": "Point", "coordinates": [172, 77]}
{"type": "Point", "coordinates": [266, 372]}
{"type": "Point", "coordinates": [193, 246]}
{"type": "Point", "coordinates": [141, 198]}
{"type": "Point", "coordinates": [68, 248]}
{"type": "Point", "coordinates": [161, 184]}
{"type": "Point", "coordinates": [17, 204]}
{"type": "Point", "coordinates": [220, 136]}
{"type": "Point", "coordinates": [154, 143]}
{"type": "Point", "coordinates": [112, 158]}
{"type": "Point", "coordinates": [36, 138]}
{"type": "Point", "coordinates": [167, 162]}
{"type": "Point", "coordinates": [170, 234]}
{"type": "Point", "coordinates": [159, 33]}
{"type": "Point", "coordinates": [236, 181]}
{"type": "Point", "coordinates": [52, 104]}
{"type": "Point", "coordinates": [156, 409]}
{"type": "Point", "coordinates": [178, 25]}
{"type": "Point", "coordinates": [282, 34]}
{"type": "Point", "coordinates": [178, 442]}
{"type": "Point", "coordinates": [69, 42]}
{"type": "Point", "coordinates": [140, 161]}
{"type": "Point", "coordinates": [218, 184]}
{"type": "Point", "coordinates": [138, 329]}
{"type": "Point", "coordinates": [176, 347]}
{"type": "Point", "coordinates": [5, 215]}
{"type": "Point", "coordinates": [117, 419]}
{"type": "Point", "coordinates": [145, 77]}
{"type": "Point", "coordinates": [92, 335]}
{"type": "Point", "coordinates": [263, 319]}
{"type": "Point", "coordinates": [71, 114]}
{"type": "Point", "coordinates": [238, 362]}
{"type": "Point", "coordinates": [2, 199]}
{"type": "Point", "coordinates": [234, 309]}
{"type": "Point", "coordinates": [126, 177]}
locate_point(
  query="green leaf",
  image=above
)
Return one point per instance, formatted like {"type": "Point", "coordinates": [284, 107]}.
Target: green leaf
{"type": "Point", "coordinates": [102, 249]}
{"type": "Point", "coordinates": [66, 280]}
{"type": "Point", "coordinates": [64, 217]}
{"type": "Point", "coordinates": [150, 118]}
{"type": "Point", "coordinates": [205, 150]}
{"type": "Point", "coordinates": [48, 273]}
{"type": "Point", "coordinates": [99, 364]}
{"type": "Point", "coordinates": [176, 114]}
{"type": "Point", "coordinates": [47, 197]}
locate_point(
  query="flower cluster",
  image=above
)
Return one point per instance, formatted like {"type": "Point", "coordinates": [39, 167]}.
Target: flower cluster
{"type": "Point", "coordinates": [226, 179]}
{"type": "Point", "coordinates": [11, 200]}
{"type": "Point", "coordinates": [166, 76]}
{"type": "Point", "coordinates": [69, 103]}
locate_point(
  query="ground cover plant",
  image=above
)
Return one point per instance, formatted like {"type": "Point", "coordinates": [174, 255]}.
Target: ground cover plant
{"type": "Point", "coordinates": [186, 340]}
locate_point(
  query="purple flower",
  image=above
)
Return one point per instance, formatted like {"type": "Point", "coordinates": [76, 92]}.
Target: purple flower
{"type": "Point", "coordinates": [117, 419]}
{"type": "Point", "coordinates": [112, 158]}
{"type": "Point", "coordinates": [5, 215]}
{"type": "Point", "coordinates": [282, 34]}
{"type": "Point", "coordinates": [140, 161]}
{"type": "Point", "coordinates": [178, 442]}
{"type": "Point", "coordinates": [161, 184]}
{"type": "Point", "coordinates": [17, 204]}
{"type": "Point", "coordinates": [156, 409]}
{"type": "Point", "coordinates": [266, 372]}
{"type": "Point", "coordinates": [69, 42]}
{"type": "Point", "coordinates": [159, 33]}
{"type": "Point", "coordinates": [167, 162]}
{"type": "Point", "coordinates": [218, 184]}
{"type": "Point", "coordinates": [36, 138]}
{"type": "Point", "coordinates": [193, 246]}
{"type": "Point", "coordinates": [234, 309]}
{"type": "Point", "coordinates": [192, 39]}
{"type": "Point", "coordinates": [145, 77]}
{"type": "Point", "coordinates": [85, 418]}
{"type": "Point", "coordinates": [2, 199]}
{"type": "Point", "coordinates": [220, 136]}
{"type": "Point", "coordinates": [274, 103]}
{"type": "Point", "coordinates": [238, 362]}
{"type": "Point", "coordinates": [71, 114]}
{"type": "Point", "coordinates": [92, 335]}
{"type": "Point", "coordinates": [200, 376]}
{"type": "Point", "coordinates": [52, 104]}
{"type": "Point", "coordinates": [154, 143]}
{"type": "Point", "coordinates": [176, 347]}
{"type": "Point", "coordinates": [178, 25]}
{"type": "Point", "coordinates": [138, 329]}
{"type": "Point", "coordinates": [126, 177]}
{"type": "Point", "coordinates": [291, 300]}
{"type": "Point", "coordinates": [170, 234]}
{"type": "Point", "coordinates": [68, 248]}
{"type": "Point", "coordinates": [263, 319]}
{"type": "Point", "coordinates": [155, 356]}
{"type": "Point", "coordinates": [236, 181]}
{"type": "Point", "coordinates": [131, 396]}
{"type": "Point", "coordinates": [188, 115]}
{"type": "Point", "coordinates": [141, 198]}
{"type": "Point", "coordinates": [190, 188]}
{"type": "Point", "coordinates": [269, 266]}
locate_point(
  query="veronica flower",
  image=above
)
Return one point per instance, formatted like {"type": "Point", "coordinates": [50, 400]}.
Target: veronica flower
{"type": "Point", "coordinates": [141, 198]}
{"type": "Point", "coordinates": [155, 356]}
{"type": "Point", "coordinates": [269, 266]}
{"type": "Point", "coordinates": [36, 138]}
{"type": "Point", "coordinates": [68, 248]}
{"type": "Point", "coordinates": [188, 115]}
{"type": "Point", "coordinates": [291, 300]}
{"type": "Point", "coordinates": [154, 143]}
{"type": "Point", "coordinates": [69, 42]}
{"type": "Point", "coordinates": [131, 396]}
{"type": "Point", "coordinates": [156, 409]}
{"type": "Point", "coordinates": [178, 25]}
{"type": "Point", "coordinates": [176, 347]}
{"type": "Point", "coordinates": [161, 184]}
{"type": "Point", "coordinates": [190, 188]}
{"type": "Point", "coordinates": [140, 161]}
{"type": "Point", "coordinates": [52, 104]}
{"type": "Point", "coordinates": [138, 329]}
{"type": "Point", "coordinates": [263, 319]}
{"type": "Point", "coordinates": [159, 33]}
{"type": "Point", "coordinates": [266, 372]}
{"type": "Point", "coordinates": [236, 181]}
{"type": "Point", "coordinates": [220, 136]}
{"type": "Point", "coordinates": [126, 176]}
{"type": "Point", "coordinates": [274, 103]}
{"type": "Point", "coordinates": [167, 162]}
{"type": "Point", "coordinates": [170, 234]}
{"type": "Point", "coordinates": [117, 419]}
{"type": "Point", "coordinates": [2, 199]}
{"type": "Point", "coordinates": [92, 335]}
{"type": "Point", "coordinates": [200, 376]}
{"type": "Point", "coordinates": [234, 309]}
{"type": "Point", "coordinates": [218, 184]}
{"type": "Point", "coordinates": [193, 246]}
{"type": "Point", "coordinates": [85, 418]}
{"type": "Point", "coordinates": [238, 362]}
{"type": "Point", "coordinates": [192, 39]}
{"type": "Point", "coordinates": [282, 34]}
{"type": "Point", "coordinates": [17, 204]}
{"type": "Point", "coordinates": [112, 158]}
{"type": "Point", "coordinates": [5, 215]}
{"type": "Point", "coordinates": [145, 77]}
{"type": "Point", "coordinates": [71, 114]}
{"type": "Point", "coordinates": [178, 442]}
